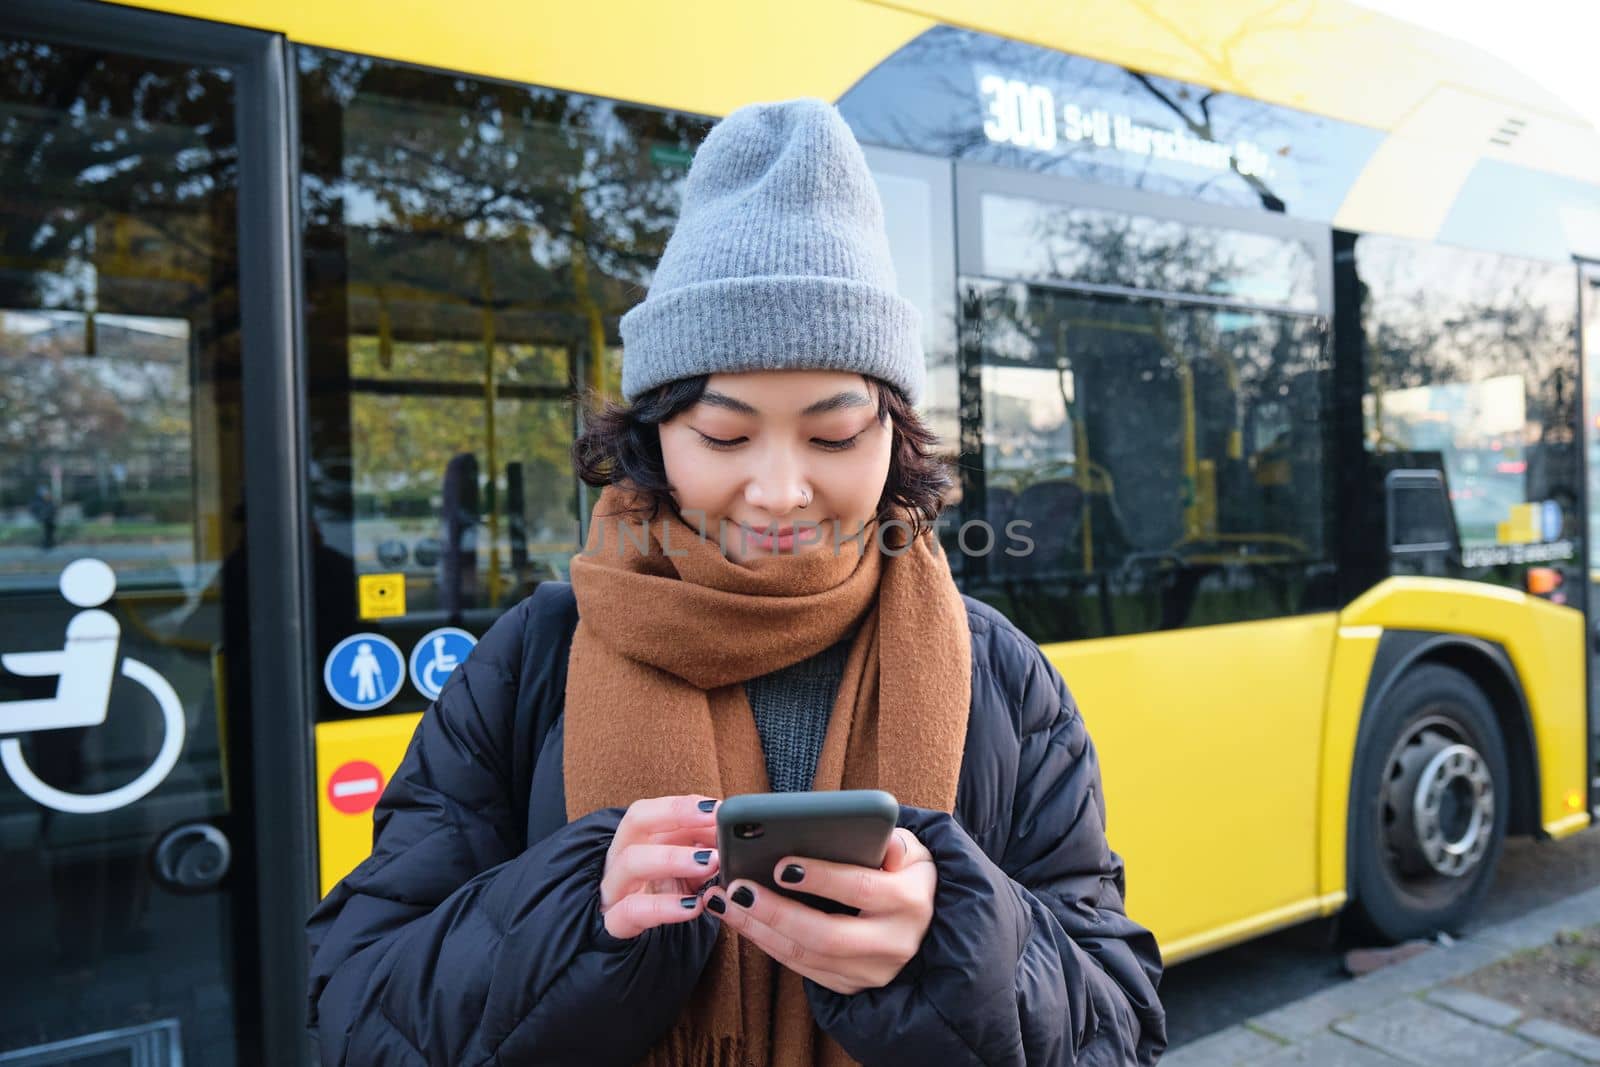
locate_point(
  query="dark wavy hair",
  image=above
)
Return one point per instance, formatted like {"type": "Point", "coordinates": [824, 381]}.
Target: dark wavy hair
{"type": "Point", "coordinates": [621, 443]}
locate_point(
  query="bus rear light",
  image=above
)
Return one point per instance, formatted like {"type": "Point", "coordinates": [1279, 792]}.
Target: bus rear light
{"type": "Point", "coordinates": [1542, 581]}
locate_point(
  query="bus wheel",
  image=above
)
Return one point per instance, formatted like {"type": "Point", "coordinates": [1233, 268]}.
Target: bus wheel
{"type": "Point", "coordinates": [1431, 805]}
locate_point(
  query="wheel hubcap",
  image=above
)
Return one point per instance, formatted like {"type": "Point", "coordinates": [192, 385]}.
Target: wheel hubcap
{"type": "Point", "coordinates": [1454, 806]}
{"type": "Point", "coordinates": [1438, 804]}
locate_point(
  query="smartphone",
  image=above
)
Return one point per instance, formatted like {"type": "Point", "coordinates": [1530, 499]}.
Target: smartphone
{"type": "Point", "coordinates": [756, 830]}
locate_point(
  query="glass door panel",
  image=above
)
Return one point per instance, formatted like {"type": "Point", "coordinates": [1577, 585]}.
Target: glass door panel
{"type": "Point", "coordinates": [469, 249]}
{"type": "Point", "coordinates": [121, 564]}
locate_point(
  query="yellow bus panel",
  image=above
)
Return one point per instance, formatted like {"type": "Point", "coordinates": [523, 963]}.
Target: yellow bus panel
{"type": "Point", "coordinates": [344, 815]}
{"type": "Point", "coordinates": [710, 56]}
{"type": "Point", "coordinates": [1252, 48]}
{"type": "Point", "coordinates": [1210, 743]}
{"type": "Point", "coordinates": [1349, 675]}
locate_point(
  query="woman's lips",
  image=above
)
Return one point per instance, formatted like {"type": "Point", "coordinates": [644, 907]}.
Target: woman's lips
{"type": "Point", "coordinates": [782, 538]}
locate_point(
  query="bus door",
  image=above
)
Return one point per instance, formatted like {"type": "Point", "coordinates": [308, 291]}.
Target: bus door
{"type": "Point", "coordinates": [142, 346]}
{"type": "Point", "coordinates": [466, 264]}
{"type": "Point", "coordinates": [1148, 381]}
{"type": "Point", "coordinates": [1589, 332]}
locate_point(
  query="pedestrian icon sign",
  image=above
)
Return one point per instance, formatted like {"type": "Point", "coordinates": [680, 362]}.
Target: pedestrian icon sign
{"type": "Point", "coordinates": [364, 671]}
{"type": "Point", "coordinates": [436, 655]}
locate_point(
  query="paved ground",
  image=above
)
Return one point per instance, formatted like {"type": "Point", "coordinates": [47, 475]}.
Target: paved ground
{"type": "Point", "coordinates": [1407, 1014]}
{"type": "Point", "coordinates": [1214, 992]}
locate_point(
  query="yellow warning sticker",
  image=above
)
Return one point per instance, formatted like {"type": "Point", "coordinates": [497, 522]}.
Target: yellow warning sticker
{"type": "Point", "coordinates": [381, 596]}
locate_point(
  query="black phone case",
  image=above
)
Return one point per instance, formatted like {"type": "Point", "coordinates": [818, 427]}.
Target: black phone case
{"type": "Point", "coordinates": [756, 830]}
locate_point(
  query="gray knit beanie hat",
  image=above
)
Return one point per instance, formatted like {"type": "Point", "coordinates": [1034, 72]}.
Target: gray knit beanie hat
{"type": "Point", "coordinates": [779, 261]}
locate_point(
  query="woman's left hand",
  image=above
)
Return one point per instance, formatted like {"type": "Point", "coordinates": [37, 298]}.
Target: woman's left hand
{"type": "Point", "coordinates": [844, 953]}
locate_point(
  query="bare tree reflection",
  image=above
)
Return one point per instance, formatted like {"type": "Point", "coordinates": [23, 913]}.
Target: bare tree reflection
{"type": "Point", "coordinates": [116, 199]}
{"type": "Point", "coordinates": [471, 247]}
{"type": "Point", "coordinates": [1167, 455]}
{"type": "Point", "coordinates": [925, 98]}
{"type": "Point", "coordinates": [1471, 354]}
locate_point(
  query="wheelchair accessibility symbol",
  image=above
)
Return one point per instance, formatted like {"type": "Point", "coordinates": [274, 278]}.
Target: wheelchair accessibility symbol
{"type": "Point", "coordinates": [436, 655]}
{"type": "Point", "coordinates": [84, 668]}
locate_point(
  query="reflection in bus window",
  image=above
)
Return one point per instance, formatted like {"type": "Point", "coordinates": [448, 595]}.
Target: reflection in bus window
{"type": "Point", "coordinates": [470, 248]}
{"type": "Point", "coordinates": [916, 213]}
{"type": "Point", "coordinates": [99, 454]}
{"type": "Point", "coordinates": [1590, 286]}
{"type": "Point", "coordinates": [407, 428]}
{"type": "Point", "coordinates": [1478, 430]}
{"type": "Point", "coordinates": [1469, 370]}
{"type": "Point", "coordinates": [1164, 460]}
{"type": "Point", "coordinates": [930, 97]}
{"type": "Point", "coordinates": [1039, 241]}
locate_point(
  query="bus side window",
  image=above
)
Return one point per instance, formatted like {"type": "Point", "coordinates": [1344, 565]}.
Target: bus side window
{"type": "Point", "coordinates": [1165, 457]}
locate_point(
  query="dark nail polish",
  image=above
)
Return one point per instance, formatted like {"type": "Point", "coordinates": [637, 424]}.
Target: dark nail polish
{"type": "Point", "coordinates": [703, 857]}
{"type": "Point", "coordinates": [708, 805]}
{"type": "Point", "coordinates": [792, 873]}
{"type": "Point", "coordinates": [716, 904]}
{"type": "Point", "coordinates": [688, 902]}
{"type": "Point", "coordinates": [743, 897]}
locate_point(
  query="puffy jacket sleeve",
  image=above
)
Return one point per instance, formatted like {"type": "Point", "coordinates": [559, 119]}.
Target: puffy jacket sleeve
{"type": "Point", "coordinates": [1030, 957]}
{"type": "Point", "coordinates": [453, 943]}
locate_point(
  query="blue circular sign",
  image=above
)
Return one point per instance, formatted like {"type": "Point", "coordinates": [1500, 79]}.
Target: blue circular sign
{"type": "Point", "coordinates": [364, 671]}
{"type": "Point", "coordinates": [436, 655]}
{"type": "Point", "coordinates": [1551, 520]}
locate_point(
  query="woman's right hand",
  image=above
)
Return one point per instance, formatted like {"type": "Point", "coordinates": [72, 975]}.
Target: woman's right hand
{"type": "Point", "coordinates": [663, 851]}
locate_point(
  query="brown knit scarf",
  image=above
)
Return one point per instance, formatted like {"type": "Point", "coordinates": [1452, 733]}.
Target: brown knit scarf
{"type": "Point", "coordinates": [655, 706]}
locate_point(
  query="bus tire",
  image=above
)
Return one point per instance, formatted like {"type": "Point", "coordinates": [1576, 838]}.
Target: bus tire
{"type": "Point", "coordinates": [1430, 805]}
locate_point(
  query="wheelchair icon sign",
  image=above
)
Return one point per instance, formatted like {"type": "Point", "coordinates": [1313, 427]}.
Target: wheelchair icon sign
{"type": "Point", "coordinates": [85, 667]}
{"type": "Point", "coordinates": [436, 655]}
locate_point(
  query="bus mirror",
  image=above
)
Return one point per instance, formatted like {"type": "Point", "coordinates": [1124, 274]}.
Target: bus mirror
{"type": "Point", "coordinates": [1419, 519]}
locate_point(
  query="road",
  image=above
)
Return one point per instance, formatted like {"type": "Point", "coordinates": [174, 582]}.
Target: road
{"type": "Point", "coordinates": [1228, 987]}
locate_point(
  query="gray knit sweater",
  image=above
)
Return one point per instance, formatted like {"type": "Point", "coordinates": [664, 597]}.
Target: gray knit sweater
{"type": "Point", "coordinates": [792, 706]}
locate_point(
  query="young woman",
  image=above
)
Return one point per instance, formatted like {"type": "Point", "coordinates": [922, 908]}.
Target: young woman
{"type": "Point", "coordinates": [761, 604]}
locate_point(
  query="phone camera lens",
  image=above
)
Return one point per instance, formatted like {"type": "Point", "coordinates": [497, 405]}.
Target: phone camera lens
{"type": "Point", "coordinates": [747, 830]}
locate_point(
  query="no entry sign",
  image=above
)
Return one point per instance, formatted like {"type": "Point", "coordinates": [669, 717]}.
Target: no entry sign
{"type": "Point", "coordinates": [354, 787]}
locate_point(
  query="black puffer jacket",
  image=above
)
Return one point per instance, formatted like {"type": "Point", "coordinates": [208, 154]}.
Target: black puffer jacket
{"type": "Point", "coordinates": [471, 935]}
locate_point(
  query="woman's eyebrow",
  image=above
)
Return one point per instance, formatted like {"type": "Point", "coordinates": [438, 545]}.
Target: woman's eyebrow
{"type": "Point", "coordinates": [723, 400]}
{"type": "Point", "coordinates": [833, 403]}
{"type": "Point", "coordinates": [837, 402]}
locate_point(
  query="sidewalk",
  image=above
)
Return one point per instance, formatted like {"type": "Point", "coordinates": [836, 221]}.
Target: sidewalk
{"type": "Point", "coordinates": [1406, 1013]}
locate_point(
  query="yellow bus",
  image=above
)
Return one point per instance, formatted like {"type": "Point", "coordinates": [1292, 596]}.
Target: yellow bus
{"type": "Point", "coordinates": [1265, 326]}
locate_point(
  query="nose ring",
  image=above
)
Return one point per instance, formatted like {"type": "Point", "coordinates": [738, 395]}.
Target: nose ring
{"type": "Point", "coordinates": [807, 504]}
